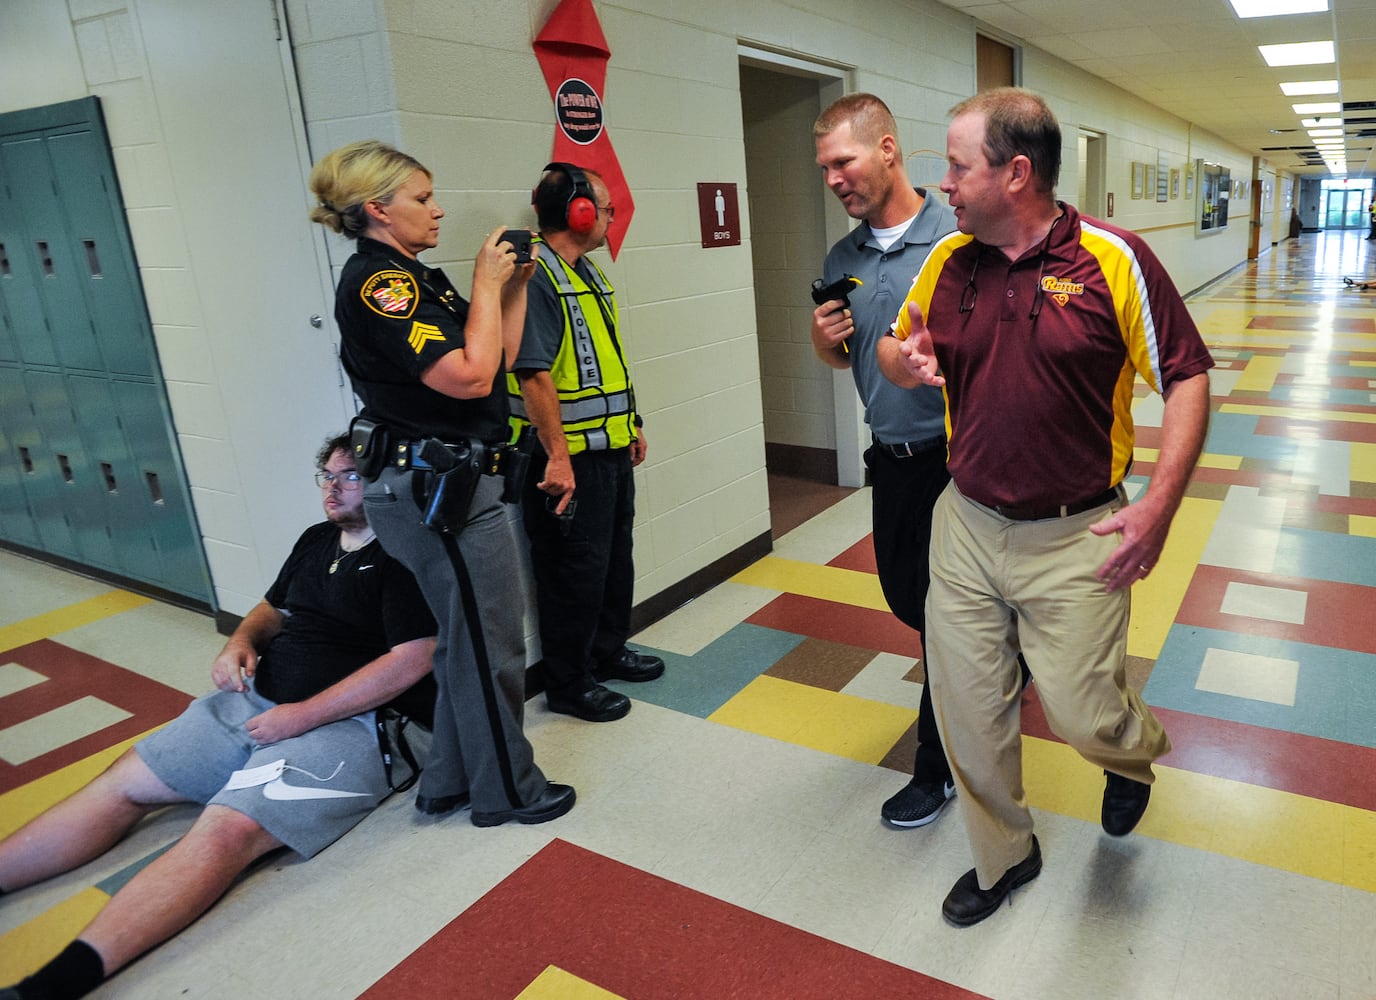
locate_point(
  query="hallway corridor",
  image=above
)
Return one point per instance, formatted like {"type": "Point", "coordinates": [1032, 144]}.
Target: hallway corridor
{"type": "Point", "coordinates": [726, 840]}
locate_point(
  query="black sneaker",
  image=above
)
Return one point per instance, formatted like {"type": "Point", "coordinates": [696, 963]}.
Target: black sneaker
{"type": "Point", "coordinates": [917, 804]}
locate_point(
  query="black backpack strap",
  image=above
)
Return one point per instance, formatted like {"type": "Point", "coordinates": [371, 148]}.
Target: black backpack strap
{"type": "Point", "coordinates": [402, 747]}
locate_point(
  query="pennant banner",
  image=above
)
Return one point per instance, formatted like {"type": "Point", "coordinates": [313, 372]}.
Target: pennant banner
{"type": "Point", "coordinates": [573, 55]}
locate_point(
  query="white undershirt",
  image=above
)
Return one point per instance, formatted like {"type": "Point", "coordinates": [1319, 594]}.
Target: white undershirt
{"type": "Point", "coordinates": [888, 237]}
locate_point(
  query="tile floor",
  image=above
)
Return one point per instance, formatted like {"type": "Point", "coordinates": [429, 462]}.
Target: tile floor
{"type": "Point", "coordinates": [726, 841]}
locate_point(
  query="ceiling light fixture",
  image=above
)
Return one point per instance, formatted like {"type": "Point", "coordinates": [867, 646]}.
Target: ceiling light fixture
{"type": "Point", "coordinates": [1321, 122]}
{"type": "Point", "coordinates": [1273, 8]}
{"type": "Point", "coordinates": [1303, 88]}
{"type": "Point", "coordinates": [1323, 108]}
{"type": "Point", "coordinates": [1324, 133]}
{"type": "Point", "coordinates": [1298, 53]}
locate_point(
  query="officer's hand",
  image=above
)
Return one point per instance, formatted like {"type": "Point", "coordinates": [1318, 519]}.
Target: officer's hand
{"type": "Point", "coordinates": [831, 324]}
{"type": "Point", "coordinates": [639, 446]}
{"type": "Point", "coordinates": [558, 482]}
{"type": "Point", "coordinates": [496, 260]}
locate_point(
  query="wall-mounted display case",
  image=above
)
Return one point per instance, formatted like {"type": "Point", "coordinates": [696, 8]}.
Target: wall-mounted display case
{"type": "Point", "coordinates": [1215, 187]}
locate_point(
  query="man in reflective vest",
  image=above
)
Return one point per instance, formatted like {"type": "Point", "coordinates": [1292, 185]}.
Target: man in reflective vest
{"type": "Point", "coordinates": [571, 382]}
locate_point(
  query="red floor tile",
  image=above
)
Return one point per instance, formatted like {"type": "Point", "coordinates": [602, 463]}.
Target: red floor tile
{"type": "Point", "coordinates": [639, 937]}
{"type": "Point", "coordinates": [72, 675]}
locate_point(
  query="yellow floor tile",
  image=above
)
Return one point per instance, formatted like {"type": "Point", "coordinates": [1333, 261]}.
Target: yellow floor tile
{"type": "Point", "coordinates": [1156, 600]}
{"type": "Point", "coordinates": [839, 724]}
{"type": "Point", "coordinates": [27, 947]}
{"type": "Point", "coordinates": [73, 616]}
{"type": "Point", "coordinates": [827, 583]}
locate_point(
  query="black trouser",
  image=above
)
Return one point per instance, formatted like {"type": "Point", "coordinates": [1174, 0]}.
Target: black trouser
{"type": "Point", "coordinates": [903, 493]}
{"type": "Point", "coordinates": [584, 574]}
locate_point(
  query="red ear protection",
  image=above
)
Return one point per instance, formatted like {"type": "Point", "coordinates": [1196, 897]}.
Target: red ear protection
{"type": "Point", "coordinates": [580, 214]}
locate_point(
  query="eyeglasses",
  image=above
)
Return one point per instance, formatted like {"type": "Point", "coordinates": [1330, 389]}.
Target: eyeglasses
{"type": "Point", "coordinates": [970, 293]}
{"type": "Point", "coordinates": [345, 480]}
{"type": "Point", "coordinates": [609, 209]}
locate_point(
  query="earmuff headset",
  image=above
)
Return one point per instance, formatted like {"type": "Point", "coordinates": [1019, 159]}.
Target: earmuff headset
{"type": "Point", "coordinates": [580, 213]}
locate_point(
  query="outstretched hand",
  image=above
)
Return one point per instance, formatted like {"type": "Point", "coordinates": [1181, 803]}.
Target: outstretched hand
{"type": "Point", "coordinates": [918, 352]}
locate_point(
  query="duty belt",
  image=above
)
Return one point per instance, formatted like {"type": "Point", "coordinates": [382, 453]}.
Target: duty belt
{"type": "Point", "coordinates": [406, 455]}
{"type": "Point", "coordinates": [1063, 510]}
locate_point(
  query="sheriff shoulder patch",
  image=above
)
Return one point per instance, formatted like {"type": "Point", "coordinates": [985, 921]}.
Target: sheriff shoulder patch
{"type": "Point", "coordinates": [391, 293]}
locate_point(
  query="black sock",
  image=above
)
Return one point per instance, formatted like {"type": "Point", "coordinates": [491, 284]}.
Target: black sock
{"type": "Point", "coordinates": [74, 973]}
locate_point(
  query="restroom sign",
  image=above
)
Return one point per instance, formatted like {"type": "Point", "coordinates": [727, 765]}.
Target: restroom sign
{"type": "Point", "coordinates": [719, 213]}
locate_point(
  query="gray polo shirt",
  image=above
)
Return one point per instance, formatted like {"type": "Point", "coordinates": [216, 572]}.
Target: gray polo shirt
{"type": "Point", "coordinates": [895, 415]}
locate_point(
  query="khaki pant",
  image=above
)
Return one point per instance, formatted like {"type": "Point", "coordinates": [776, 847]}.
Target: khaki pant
{"type": "Point", "coordinates": [997, 586]}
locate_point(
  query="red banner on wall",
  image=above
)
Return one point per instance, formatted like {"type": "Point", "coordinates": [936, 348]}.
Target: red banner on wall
{"type": "Point", "coordinates": [573, 55]}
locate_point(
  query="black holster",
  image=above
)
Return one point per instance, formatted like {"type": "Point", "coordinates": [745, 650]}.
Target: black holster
{"type": "Point", "coordinates": [517, 465]}
{"type": "Point", "coordinates": [371, 445]}
{"type": "Point", "coordinates": [450, 483]}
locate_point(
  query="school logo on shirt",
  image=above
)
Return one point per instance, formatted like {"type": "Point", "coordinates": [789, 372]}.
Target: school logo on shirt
{"type": "Point", "coordinates": [1061, 291]}
{"type": "Point", "coordinates": [391, 293]}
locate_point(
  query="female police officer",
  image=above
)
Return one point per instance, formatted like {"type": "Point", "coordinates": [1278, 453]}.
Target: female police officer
{"type": "Point", "coordinates": [425, 363]}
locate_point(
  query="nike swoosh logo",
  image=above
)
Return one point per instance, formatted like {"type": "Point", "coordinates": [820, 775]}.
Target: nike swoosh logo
{"type": "Point", "coordinates": [362, 568]}
{"type": "Point", "coordinates": [281, 791]}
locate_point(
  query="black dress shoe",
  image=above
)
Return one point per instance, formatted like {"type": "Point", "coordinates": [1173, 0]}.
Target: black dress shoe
{"type": "Point", "coordinates": [441, 804]}
{"type": "Point", "coordinates": [968, 904]}
{"type": "Point", "coordinates": [597, 705]}
{"type": "Point", "coordinates": [1125, 801]}
{"type": "Point", "coordinates": [553, 803]}
{"type": "Point", "coordinates": [629, 665]}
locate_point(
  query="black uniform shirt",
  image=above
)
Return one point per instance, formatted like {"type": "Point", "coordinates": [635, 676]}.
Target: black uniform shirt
{"type": "Point", "coordinates": [398, 317]}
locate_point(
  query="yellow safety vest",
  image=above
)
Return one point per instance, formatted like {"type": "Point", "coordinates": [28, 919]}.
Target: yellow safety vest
{"type": "Point", "coordinates": [596, 398]}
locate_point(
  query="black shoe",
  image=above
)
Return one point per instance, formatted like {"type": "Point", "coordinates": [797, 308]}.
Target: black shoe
{"type": "Point", "coordinates": [598, 705]}
{"type": "Point", "coordinates": [441, 804]}
{"type": "Point", "coordinates": [1125, 801]}
{"type": "Point", "coordinates": [968, 904]}
{"type": "Point", "coordinates": [553, 803]}
{"type": "Point", "coordinates": [629, 665]}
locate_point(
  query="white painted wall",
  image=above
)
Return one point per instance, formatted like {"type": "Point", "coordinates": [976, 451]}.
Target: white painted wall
{"type": "Point", "coordinates": [456, 83]}
{"type": "Point", "coordinates": [210, 163]}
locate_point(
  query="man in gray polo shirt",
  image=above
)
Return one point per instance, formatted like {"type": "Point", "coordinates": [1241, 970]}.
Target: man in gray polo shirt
{"type": "Point", "coordinates": [862, 164]}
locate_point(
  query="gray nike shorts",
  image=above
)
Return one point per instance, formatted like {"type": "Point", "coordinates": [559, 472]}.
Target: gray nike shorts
{"type": "Point", "coordinates": [307, 791]}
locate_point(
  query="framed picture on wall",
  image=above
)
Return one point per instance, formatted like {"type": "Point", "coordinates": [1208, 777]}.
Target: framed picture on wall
{"type": "Point", "coordinates": [1150, 190]}
{"type": "Point", "coordinates": [1189, 181]}
{"type": "Point", "coordinates": [1139, 177]}
{"type": "Point", "coordinates": [1175, 184]}
{"type": "Point", "coordinates": [1163, 178]}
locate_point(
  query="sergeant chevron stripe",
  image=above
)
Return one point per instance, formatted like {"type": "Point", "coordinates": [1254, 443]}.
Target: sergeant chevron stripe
{"type": "Point", "coordinates": [421, 334]}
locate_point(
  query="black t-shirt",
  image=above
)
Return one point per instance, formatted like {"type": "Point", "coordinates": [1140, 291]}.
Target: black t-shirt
{"type": "Point", "coordinates": [397, 317]}
{"type": "Point", "coordinates": [338, 622]}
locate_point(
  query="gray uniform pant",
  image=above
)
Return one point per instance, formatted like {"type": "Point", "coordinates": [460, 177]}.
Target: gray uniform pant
{"type": "Point", "coordinates": [474, 585]}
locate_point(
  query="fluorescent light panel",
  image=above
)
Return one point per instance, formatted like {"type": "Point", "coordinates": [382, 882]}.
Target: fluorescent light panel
{"type": "Point", "coordinates": [1325, 133]}
{"type": "Point", "coordinates": [1303, 88]}
{"type": "Point", "coordinates": [1298, 53]}
{"type": "Point", "coordinates": [1323, 108]}
{"type": "Point", "coordinates": [1321, 122]}
{"type": "Point", "coordinates": [1274, 8]}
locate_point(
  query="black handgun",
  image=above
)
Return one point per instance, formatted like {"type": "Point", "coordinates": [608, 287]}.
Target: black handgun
{"type": "Point", "coordinates": [838, 289]}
